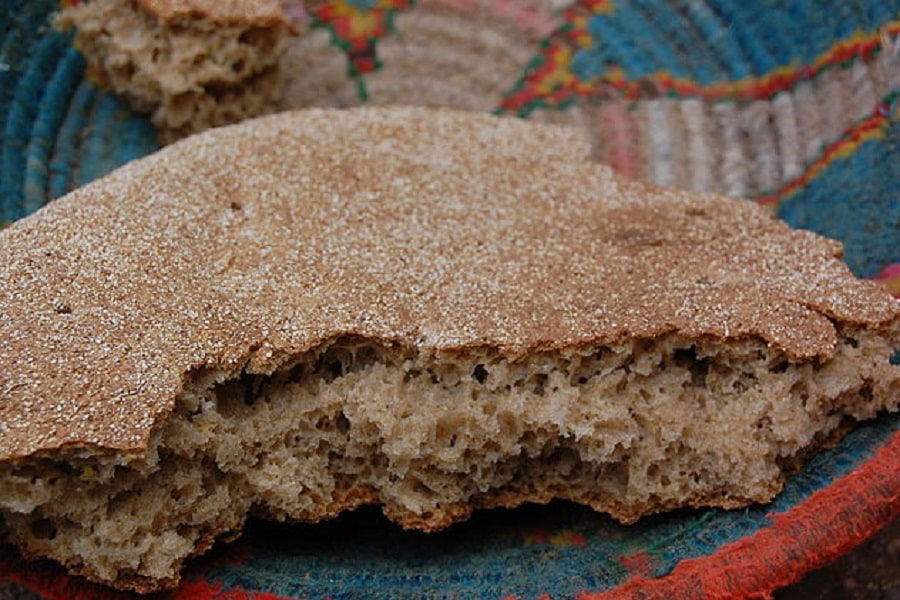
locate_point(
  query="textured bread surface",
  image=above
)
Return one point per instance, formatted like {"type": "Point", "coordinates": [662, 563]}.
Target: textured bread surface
{"type": "Point", "coordinates": [190, 65]}
{"type": "Point", "coordinates": [223, 12]}
{"type": "Point", "coordinates": [427, 310]}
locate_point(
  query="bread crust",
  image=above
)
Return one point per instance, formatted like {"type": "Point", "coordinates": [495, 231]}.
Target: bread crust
{"type": "Point", "coordinates": [261, 13]}
{"type": "Point", "coordinates": [240, 248]}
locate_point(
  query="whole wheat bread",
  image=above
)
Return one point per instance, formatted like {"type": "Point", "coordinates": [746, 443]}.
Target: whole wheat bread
{"type": "Point", "coordinates": [431, 311]}
{"type": "Point", "coordinates": [190, 64]}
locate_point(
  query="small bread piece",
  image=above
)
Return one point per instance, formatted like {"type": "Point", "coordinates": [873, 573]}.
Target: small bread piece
{"type": "Point", "coordinates": [427, 310]}
{"type": "Point", "coordinates": [191, 64]}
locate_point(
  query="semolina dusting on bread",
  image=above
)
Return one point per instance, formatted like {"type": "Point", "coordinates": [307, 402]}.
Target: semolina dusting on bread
{"type": "Point", "coordinates": [431, 311]}
{"type": "Point", "coordinates": [190, 64]}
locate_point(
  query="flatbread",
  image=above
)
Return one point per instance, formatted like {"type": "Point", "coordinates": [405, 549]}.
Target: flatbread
{"type": "Point", "coordinates": [429, 310]}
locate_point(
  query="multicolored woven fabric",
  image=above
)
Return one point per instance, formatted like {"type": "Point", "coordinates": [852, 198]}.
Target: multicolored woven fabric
{"type": "Point", "coordinates": [795, 105]}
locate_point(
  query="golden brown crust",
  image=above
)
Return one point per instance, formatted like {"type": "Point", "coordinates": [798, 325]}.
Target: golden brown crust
{"type": "Point", "coordinates": [245, 246]}
{"type": "Point", "coordinates": [262, 13]}
{"type": "Point", "coordinates": [135, 583]}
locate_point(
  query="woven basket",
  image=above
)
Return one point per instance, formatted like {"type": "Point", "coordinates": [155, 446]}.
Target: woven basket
{"type": "Point", "coordinates": [793, 105]}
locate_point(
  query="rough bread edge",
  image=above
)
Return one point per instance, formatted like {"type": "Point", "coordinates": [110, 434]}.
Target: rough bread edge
{"type": "Point", "coordinates": [507, 500]}
{"type": "Point", "coordinates": [190, 71]}
{"type": "Point", "coordinates": [518, 492]}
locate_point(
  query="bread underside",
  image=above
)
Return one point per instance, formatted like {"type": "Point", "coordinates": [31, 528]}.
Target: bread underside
{"type": "Point", "coordinates": [190, 74]}
{"type": "Point", "coordinates": [630, 430]}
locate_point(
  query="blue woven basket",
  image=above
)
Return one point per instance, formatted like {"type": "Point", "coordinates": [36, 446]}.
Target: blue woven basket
{"type": "Point", "coordinates": [59, 130]}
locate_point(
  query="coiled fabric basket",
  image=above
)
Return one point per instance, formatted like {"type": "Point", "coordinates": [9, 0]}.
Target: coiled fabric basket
{"type": "Point", "coordinates": [791, 104]}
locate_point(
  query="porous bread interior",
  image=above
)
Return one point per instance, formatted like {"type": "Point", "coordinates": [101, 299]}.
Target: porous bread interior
{"type": "Point", "coordinates": [629, 429]}
{"type": "Point", "coordinates": [190, 75]}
